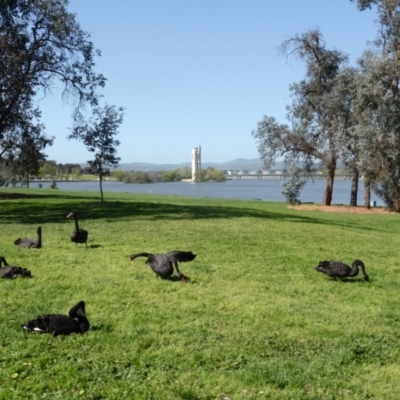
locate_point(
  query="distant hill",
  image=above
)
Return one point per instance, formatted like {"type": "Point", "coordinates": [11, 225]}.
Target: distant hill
{"type": "Point", "coordinates": [237, 165]}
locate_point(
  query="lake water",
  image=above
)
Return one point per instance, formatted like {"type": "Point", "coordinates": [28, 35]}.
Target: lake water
{"type": "Point", "coordinates": [269, 189]}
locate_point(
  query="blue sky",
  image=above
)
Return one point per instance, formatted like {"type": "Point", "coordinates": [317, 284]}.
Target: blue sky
{"type": "Point", "coordinates": [198, 72]}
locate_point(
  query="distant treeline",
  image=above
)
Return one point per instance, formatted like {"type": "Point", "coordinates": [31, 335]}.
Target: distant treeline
{"type": "Point", "coordinates": [57, 171]}
{"type": "Point", "coordinates": [209, 174]}
{"type": "Point", "coordinates": [11, 172]}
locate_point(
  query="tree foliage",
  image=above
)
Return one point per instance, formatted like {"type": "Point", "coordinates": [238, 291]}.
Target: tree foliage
{"type": "Point", "coordinates": [315, 104]}
{"type": "Point", "coordinates": [211, 175]}
{"type": "Point", "coordinates": [177, 174]}
{"type": "Point", "coordinates": [98, 136]}
{"type": "Point", "coordinates": [294, 185]}
{"type": "Point", "coordinates": [377, 104]}
{"type": "Point", "coordinates": [141, 177]}
{"type": "Point", "coordinates": [345, 114]}
{"type": "Point", "coordinates": [29, 156]}
{"type": "Point", "coordinates": [40, 44]}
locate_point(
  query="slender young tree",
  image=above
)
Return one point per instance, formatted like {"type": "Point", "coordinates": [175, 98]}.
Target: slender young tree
{"type": "Point", "coordinates": [98, 136]}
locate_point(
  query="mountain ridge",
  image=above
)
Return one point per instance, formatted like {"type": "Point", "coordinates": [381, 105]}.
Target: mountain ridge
{"type": "Point", "coordinates": [236, 164]}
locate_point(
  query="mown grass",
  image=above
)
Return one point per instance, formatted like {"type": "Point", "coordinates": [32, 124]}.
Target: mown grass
{"type": "Point", "coordinates": [255, 322]}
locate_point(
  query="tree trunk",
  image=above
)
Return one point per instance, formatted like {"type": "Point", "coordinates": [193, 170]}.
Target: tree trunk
{"type": "Point", "coordinates": [354, 188]}
{"type": "Point", "coordinates": [396, 200]}
{"type": "Point", "coordinates": [101, 186]}
{"type": "Point", "coordinates": [329, 185]}
{"type": "Point", "coordinates": [367, 194]}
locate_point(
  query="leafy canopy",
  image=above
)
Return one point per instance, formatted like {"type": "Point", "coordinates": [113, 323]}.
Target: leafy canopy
{"type": "Point", "coordinates": [41, 44]}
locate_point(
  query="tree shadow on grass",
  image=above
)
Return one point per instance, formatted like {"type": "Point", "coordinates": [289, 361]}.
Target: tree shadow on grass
{"type": "Point", "coordinates": [29, 209]}
{"type": "Point", "coordinates": [26, 196]}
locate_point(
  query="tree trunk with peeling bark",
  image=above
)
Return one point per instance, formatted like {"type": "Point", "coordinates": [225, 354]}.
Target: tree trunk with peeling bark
{"type": "Point", "coordinates": [354, 188]}
{"type": "Point", "coordinates": [329, 186]}
{"type": "Point", "coordinates": [367, 194]}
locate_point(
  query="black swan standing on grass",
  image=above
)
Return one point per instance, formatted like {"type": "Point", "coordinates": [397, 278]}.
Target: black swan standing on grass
{"type": "Point", "coordinates": [162, 264]}
{"type": "Point", "coordinates": [31, 243]}
{"type": "Point", "coordinates": [340, 270]}
{"type": "Point", "coordinates": [59, 324]}
{"type": "Point", "coordinates": [78, 235]}
{"type": "Point", "coordinates": [12, 271]}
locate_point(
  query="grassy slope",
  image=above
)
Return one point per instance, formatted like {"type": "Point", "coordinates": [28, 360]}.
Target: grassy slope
{"type": "Point", "coordinates": [256, 321]}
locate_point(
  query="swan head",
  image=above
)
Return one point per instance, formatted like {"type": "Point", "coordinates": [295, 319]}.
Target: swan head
{"type": "Point", "coordinates": [322, 265]}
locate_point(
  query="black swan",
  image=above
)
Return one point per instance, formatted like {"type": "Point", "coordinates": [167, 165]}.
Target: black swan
{"type": "Point", "coordinates": [12, 271]}
{"type": "Point", "coordinates": [31, 243]}
{"type": "Point", "coordinates": [339, 269]}
{"type": "Point", "coordinates": [78, 235]}
{"type": "Point", "coordinates": [162, 264]}
{"type": "Point", "coordinates": [59, 324]}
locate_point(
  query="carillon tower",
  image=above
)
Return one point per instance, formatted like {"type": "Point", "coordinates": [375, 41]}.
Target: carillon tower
{"type": "Point", "coordinates": [196, 162]}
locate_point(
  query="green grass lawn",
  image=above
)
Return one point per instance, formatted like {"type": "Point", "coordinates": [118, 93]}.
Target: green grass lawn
{"type": "Point", "coordinates": [256, 320]}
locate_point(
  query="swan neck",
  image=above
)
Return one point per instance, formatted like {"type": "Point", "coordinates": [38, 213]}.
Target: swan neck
{"type": "Point", "coordinates": [76, 222]}
{"type": "Point", "coordinates": [133, 256]}
{"type": "Point", "coordinates": [354, 268]}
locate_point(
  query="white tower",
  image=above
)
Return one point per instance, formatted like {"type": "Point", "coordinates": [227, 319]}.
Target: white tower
{"type": "Point", "coordinates": [196, 162]}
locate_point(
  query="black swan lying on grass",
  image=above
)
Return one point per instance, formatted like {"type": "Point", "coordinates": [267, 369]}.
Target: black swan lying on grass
{"type": "Point", "coordinates": [340, 270]}
{"type": "Point", "coordinates": [31, 243]}
{"type": "Point", "coordinates": [162, 264]}
{"type": "Point", "coordinates": [78, 235]}
{"type": "Point", "coordinates": [59, 324]}
{"type": "Point", "coordinates": [12, 271]}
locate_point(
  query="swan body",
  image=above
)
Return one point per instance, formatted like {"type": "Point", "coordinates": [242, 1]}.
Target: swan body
{"type": "Point", "coordinates": [78, 235]}
{"type": "Point", "coordinates": [339, 270]}
{"type": "Point", "coordinates": [31, 243]}
{"type": "Point", "coordinates": [12, 271]}
{"type": "Point", "coordinates": [59, 324]}
{"type": "Point", "coordinates": [163, 264]}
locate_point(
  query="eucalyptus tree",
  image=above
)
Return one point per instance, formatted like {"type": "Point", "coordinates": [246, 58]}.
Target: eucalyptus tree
{"type": "Point", "coordinates": [98, 136]}
{"type": "Point", "coordinates": [315, 104]}
{"type": "Point", "coordinates": [48, 168]}
{"type": "Point", "coordinates": [311, 135]}
{"type": "Point", "coordinates": [24, 144]}
{"type": "Point", "coordinates": [294, 185]}
{"type": "Point", "coordinates": [29, 157]}
{"type": "Point", "coordinates": [378, 103]}
{"type": "Point", "coordinates": [377, 108]}
{"type": "Point", "coordinates": [41, 44]}
{"type": "Point", "coordinates": [348, 139]}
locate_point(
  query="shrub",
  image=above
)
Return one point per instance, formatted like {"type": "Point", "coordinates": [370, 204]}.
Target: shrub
{"type": "Point", "coordinates": [294, 185]}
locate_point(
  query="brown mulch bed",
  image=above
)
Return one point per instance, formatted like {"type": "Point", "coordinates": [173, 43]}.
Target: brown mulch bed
{"type": "Point", "coordinates": [342, 209]}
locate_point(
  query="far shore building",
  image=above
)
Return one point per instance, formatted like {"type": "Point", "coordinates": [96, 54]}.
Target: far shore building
{"type": "Point", "coordinates": [196, 163]}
